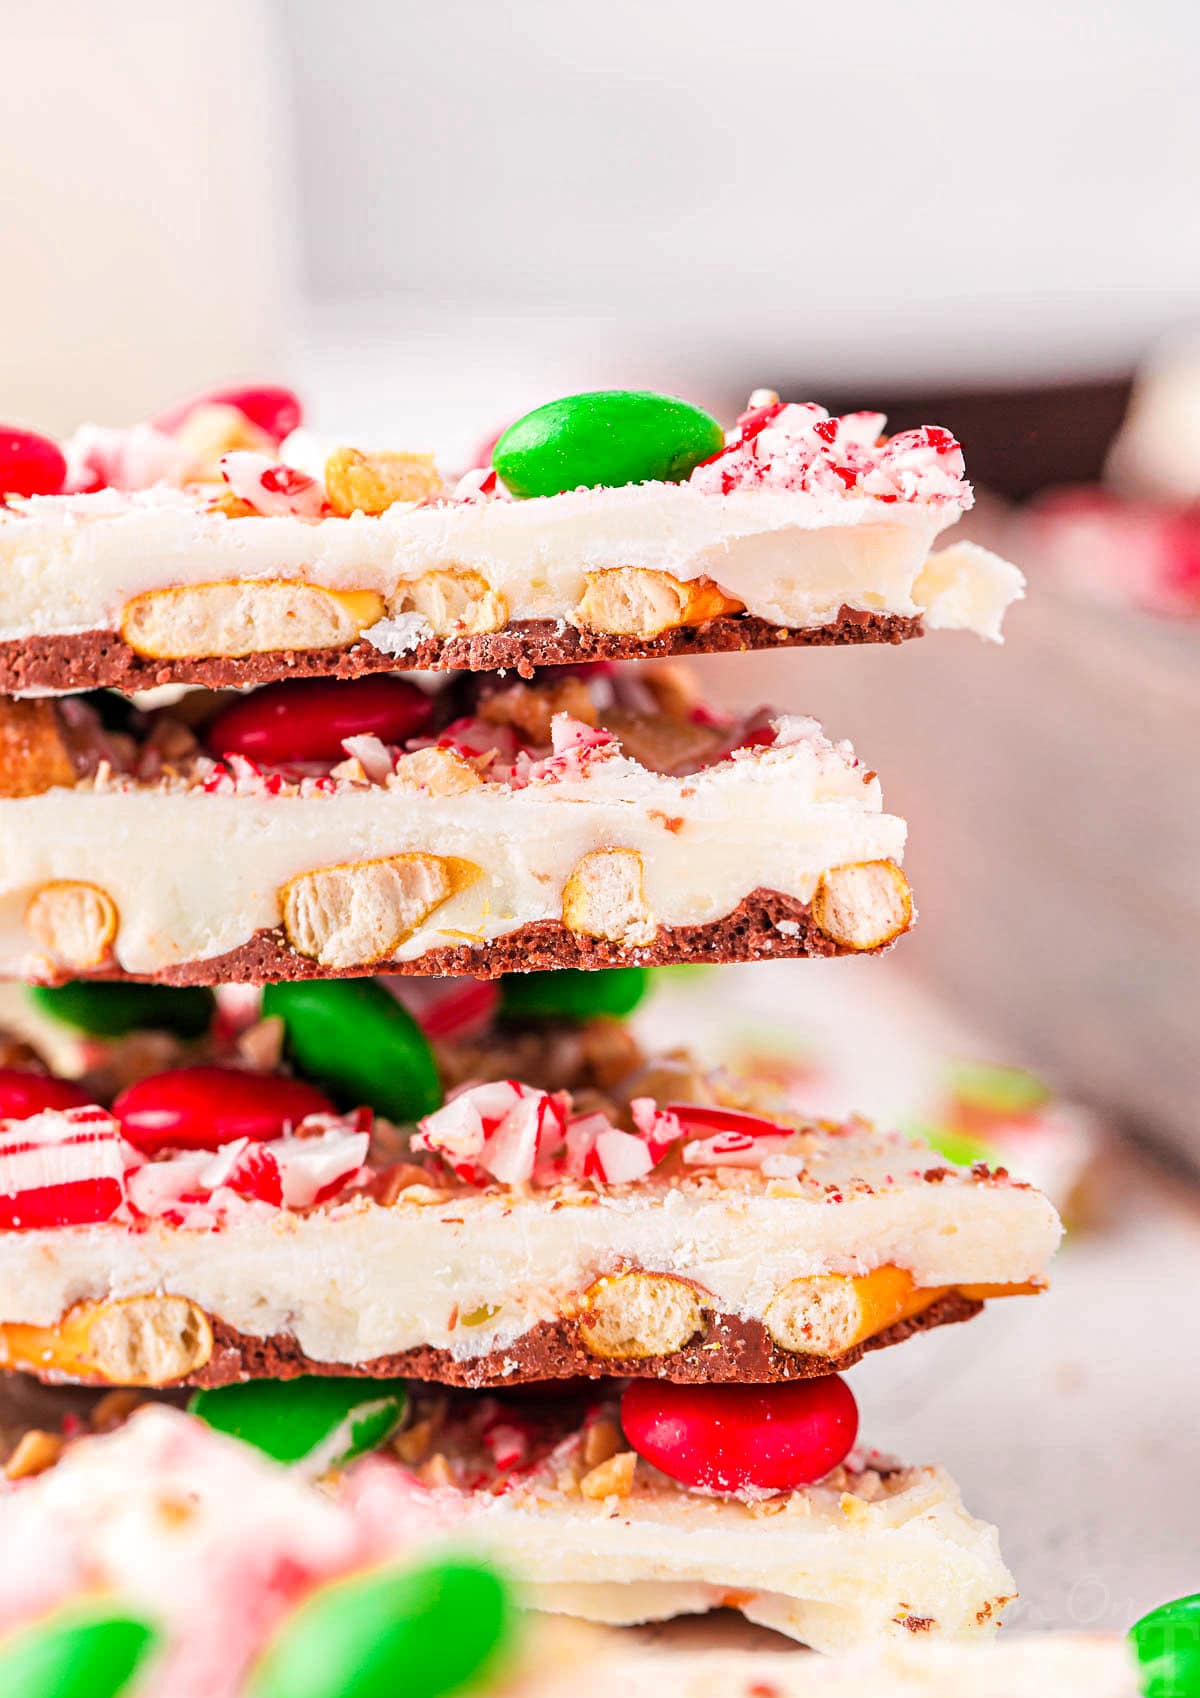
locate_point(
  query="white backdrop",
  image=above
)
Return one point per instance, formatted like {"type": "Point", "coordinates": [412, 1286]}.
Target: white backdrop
{"type": "Point", "coordinates": [876, 184]}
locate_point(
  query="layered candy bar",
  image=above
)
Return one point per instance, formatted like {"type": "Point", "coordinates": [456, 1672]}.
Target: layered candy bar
{"type": "Point", "coordinates": [643, 1220]}
{"type": "Point", "coordinates": [332, 828]}
{"type": "Point", "coordinates": [590, 1528]}
{"type": "Point", "coordinates": [221, 545]}
{"type": "Point", "coordinates": [872, 1552]}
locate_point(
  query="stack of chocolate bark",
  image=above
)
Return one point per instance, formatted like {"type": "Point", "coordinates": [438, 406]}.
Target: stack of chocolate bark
{"type": "Point", "coordinates": [333, 1114]}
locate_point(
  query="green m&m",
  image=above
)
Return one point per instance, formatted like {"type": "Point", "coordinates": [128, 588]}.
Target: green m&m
{"type": "Point", "coordinates": [413, 1633]}
{"type": "Point", "coordinates": [82, 1651]}
{"type": "Point", "coordinates": [318, 1421]}
{"type": "Point", "coordinates": [571, 993]}
{"type": "Point", "coordinates": [992, 1089]}
{"type": "Point", "coordinates": [353, 1038]}
{"type": "Point", "coordinates": [1167, 1646]}
{"type": "Point", "coordinates": [603, 440]}
{"type": "Point", "coordinates": [111, 1008]}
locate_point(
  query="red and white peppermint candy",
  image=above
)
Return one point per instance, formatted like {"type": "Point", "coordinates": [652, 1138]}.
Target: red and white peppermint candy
{"type": "Point", "coordinates": [273, 489]}
{"type": "Point", "coordinates": [504, 1130]}
{"type": "Point", "coordinates": [313, 1168]}
{"type": "Point", "coordinates": [596, 1149]}
{"type": "Point", "coordinates": [734, 1138]}
{"type": "Point", "coordinates": [575, 744]}
{"type": "Point", "coordinates": [797, 446]}
{"type": "Point", "coordinates": [61, 1168]}
{"type": "Point", "coordinates": [248, 1169]}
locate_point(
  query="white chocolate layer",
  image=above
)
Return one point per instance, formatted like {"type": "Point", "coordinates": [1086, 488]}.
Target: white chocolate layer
{"type": "Point", "coordinates": [776, 819]}
{"type": "Point", "coordinates": [360, 1281]}
{"type": "Point", "coordinates": [70, 564]}
{"type": "Point", "coordinates": [830, 1572]}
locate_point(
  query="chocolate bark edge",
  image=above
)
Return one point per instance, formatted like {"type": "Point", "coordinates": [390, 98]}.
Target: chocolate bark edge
{"type": "Point", "coordinates": [730, 1351]}
{"type": "Point", "coordinates": [89, 660]}
{"type": "Point", "coordinates": [749, 932]}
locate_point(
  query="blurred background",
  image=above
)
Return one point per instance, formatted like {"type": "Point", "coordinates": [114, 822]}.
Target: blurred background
{"type": "Point", "coordinates": [430, 218]}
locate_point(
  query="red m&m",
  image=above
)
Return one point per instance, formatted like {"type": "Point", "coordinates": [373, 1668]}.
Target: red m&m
{"type": "Point", "coordinates": [307, 720]}
{"type": "Point", "coordinates": [730, 1438]}
{"type": "Point", "coordinates": [29, 464]}
{"type": "Point", "coordinates": [201, 1108]}
{"type": "Point", "coordinates": [23, 1093]}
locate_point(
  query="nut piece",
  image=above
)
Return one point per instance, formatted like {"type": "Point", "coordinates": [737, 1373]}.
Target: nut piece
{"type": "Point", "coordinates": [664, 744]}
{"type": "Point", "coordinates": [530, 708]}
{"type": "Point", "coordinates": [131, 1341]}
{"type": "Point", "coordinates": [605, 897]}
{"type": "Point", "coordinates": [601, 1440]}
{"type": "Point", "coordinates": [33, 751]}
{"type": "Point", "coordinates": [438, 772]}
{"type": "Point", "coordinates": [36, 1451]}
{"type": "Point", "coordinates": [611, 1479]}
{"type": "Point", "coordinates": [73, 922]}
{"type": "Point", "coordinates": [455, 602]}
{"type": "Point", "coordinates": [635, 601]}
{"type": "Point", "coordinates": [215, 429]}
{"type": "Point", "coordinates": [362, 911]}
{"type": "Point", "coordinates": [864, 905]}
{"type": "Point", "coordinates": [371, 483]}
{"type": "Point", "coordinates": [250, 616]}
{"type": "Point", "coordinates": [629, 1316]}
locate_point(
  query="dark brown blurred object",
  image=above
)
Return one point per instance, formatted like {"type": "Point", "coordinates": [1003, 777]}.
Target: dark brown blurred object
{"type": "Point", "coordinates": [1018, 441]}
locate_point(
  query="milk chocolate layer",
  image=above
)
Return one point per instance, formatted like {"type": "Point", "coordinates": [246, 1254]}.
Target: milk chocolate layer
{"type": "Point", "coordinates": [751, 932]}
{"type": "Point", "coordinates": [89, 660]}
{"type": "Point", "coordinates": [729, 1350]}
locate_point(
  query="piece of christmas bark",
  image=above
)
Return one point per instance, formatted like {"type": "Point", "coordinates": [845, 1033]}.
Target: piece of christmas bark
{"type": "Point", "coordinates": [219, 545]}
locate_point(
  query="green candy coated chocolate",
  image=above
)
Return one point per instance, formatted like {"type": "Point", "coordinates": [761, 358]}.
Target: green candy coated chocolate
{"type": "Point", "coordinates": [417, 1632]}
{"type": "Point", "coordinates": [79, 1652]}
{"type": "Point", "coordinates": [958, 1147]}
{"type": "Point", "coordinates": [996, 1090]}
{"type": "Point", "coordinates": [325, 1422]}
{"type": "Point", "coordinates": [602, 440]}
{"type": "Point", "coordinates": [571, 993]}
{"type": "Point", "coordinates": [1167, 1645]}
{"type": "Point", "coordinates": [113, 1008]}
{"type": "Point", "coordinates": [355, 1039]}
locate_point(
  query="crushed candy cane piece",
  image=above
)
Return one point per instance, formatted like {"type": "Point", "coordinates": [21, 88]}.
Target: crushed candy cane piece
{"type": "Point", "coordinates": [271, 488]}
{"type": "Point", "coordinates": [61, 1168]}
{"type": "Point", "coordinates": [798, 446]}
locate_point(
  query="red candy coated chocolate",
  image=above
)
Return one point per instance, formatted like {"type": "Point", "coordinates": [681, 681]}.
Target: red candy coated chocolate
{"type": "Point", "coordinates": [23, 1093]}
{"type": "Point", "coordinates": [308, 719]}
{"type": "Point", "coordinates": [275, 410]}
{"type": "Point", "coordinates": [29, 464]}
{"type": "Point", "coordinates": [730, 1437]}
{"type": "Point", "coordinates": [201, 1108]}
